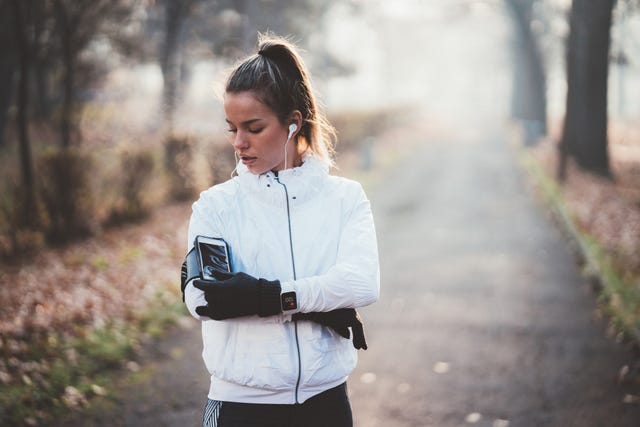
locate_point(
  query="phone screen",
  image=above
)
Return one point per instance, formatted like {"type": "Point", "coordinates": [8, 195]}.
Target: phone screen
{"type": "Point", "coordinates": [214, 258]}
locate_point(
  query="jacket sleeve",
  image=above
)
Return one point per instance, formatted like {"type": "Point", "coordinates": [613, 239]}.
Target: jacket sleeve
{"type": "Point", "coordinates": [354, 281]}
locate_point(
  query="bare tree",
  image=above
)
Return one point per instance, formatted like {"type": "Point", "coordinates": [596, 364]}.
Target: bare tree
{"type": "Point", "coordinates": [7, 63]}
{"type": "Point", "coordinates": [584, 136]}
{"type": "Point", "coordinates": [222, 28]}
{"type": "Point", "coordinates": [42, 61]}
{"type": "Point", "coordinates": [64, 186]}
{"type": "Point", "coordinates": [78, 22]}
{"type": "Point", "coordinates": [176, 12]}
{"type": "Point", "coordinates": [21, 14]}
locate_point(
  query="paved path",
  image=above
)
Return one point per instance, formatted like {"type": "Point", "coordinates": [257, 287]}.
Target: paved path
{"type": "Point", "coordinates": [483, 315]}
{"type": "Point", "coordinates": [483, 320]}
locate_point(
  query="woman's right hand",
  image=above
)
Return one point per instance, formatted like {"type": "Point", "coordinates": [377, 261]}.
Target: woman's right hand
{"type": "Point", "coordinates": [239, 294]}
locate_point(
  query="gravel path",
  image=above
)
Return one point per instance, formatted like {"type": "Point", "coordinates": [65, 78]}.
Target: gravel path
{"type": "Point", "coordinates": [483, 319]}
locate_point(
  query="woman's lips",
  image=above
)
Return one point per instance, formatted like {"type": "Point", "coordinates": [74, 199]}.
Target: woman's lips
{"type": "Point", "coordinates": [247, 160]}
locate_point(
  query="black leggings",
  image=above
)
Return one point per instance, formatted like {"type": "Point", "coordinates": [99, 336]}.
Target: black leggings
{"type": "Point", "coordinates": [330, 408]}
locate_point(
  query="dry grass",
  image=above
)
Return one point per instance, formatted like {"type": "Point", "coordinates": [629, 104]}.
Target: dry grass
{"type": "Point", "coordinates": [70, 313]}
{"type": "Point", "coordinates": [606, 215]}
{"type": "Point", "coordinates": [608, 210]}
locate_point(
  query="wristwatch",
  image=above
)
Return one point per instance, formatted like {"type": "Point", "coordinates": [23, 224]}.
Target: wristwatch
{"type": "Point", "coordinates": [289, 301]}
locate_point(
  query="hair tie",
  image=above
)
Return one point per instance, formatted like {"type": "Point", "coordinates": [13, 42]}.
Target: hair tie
{"type": "Point", "coordinates": [268, 54]}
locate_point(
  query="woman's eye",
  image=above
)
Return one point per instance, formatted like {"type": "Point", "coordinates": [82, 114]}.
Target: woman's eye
{"type": "Point", "coordinates": [232, 130]}
{"type": "Point", "coordinates": [256, 130]}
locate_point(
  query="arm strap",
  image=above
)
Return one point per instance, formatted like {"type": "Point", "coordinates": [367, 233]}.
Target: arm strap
{"type": "Point", "coordinates": [190, 270]}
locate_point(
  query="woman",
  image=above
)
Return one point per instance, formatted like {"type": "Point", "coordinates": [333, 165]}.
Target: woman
{"type": "Point", "coordinates": [303, 254]}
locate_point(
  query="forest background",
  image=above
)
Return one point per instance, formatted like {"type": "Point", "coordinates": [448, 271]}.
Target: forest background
{"type": "Point", "coordinates": [110, 111]}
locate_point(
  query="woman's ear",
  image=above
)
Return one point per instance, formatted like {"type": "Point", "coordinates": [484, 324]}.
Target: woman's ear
{"type": "Point", "coordinates": [295, 118]}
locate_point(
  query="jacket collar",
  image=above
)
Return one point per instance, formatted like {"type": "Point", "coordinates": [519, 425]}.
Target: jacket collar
{"type": "Point", "coordinates": [302, 182]}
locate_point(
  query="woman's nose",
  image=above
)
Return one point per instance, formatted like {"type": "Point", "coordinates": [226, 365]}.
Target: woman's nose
{"type": "Point", "coordinates": [240, 140]}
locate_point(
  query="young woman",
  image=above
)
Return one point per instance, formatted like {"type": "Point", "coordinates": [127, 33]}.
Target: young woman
{"type": "Point", "coordinates": [303, 253]}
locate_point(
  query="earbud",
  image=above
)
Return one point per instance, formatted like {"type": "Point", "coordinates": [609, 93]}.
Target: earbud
{"type": "Point", "coordinates": [292, 128]}
{"type": "Point", "coordinates": [235, 170]}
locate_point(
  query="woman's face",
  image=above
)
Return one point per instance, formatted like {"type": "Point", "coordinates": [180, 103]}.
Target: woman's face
{"type": "Point", "coordinates": [257, 135]}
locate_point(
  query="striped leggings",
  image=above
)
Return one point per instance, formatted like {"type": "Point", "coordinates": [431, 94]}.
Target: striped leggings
{"type": "Point", "coordinates": [330, 408]}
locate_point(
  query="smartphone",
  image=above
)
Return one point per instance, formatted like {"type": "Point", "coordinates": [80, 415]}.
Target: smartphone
{"type": "Point", "coordinates": [213, 257]}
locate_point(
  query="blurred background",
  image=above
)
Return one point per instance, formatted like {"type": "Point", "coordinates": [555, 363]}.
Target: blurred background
{"type": "Point", "coordinates": [91, 88]}
{"type": "Point", "coordinates": [111, 110]}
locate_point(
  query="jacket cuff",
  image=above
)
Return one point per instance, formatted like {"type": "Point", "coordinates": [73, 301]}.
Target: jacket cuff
{"type": "Point", "coordinates": [269, 298]}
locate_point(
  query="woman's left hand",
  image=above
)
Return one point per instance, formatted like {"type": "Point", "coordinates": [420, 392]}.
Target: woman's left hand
{"type": "Point", "coordinates": [239, 295]}
{"type": "Point", "coordinates": [340, 320]}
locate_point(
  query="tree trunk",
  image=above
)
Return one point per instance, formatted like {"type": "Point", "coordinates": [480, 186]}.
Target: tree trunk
{"type": "Point", "coordinates": [175, 13]}
{"type": "Point", "coordinates": [68, 64]}
{"type": "Point", "coordinates": [42, 68]}
{"type": "Point", "coordinates": [66, 117]}
{"type": "Point", "coordinates": [529, 101]}
{"type": "Point", "coordinates": [26, 163]}
{"type": "Point", "coordinates": [7, 68]}
{"type": "Point", "coordinates": [584, 135]}
{"type": "Point", "coordinates": [8, 65]}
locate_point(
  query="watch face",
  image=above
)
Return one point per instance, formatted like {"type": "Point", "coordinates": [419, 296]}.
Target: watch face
{"type": "Point", "coordinates": [289, 301]}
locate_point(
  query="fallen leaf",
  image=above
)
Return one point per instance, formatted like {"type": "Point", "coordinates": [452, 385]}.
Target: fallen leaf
{"type": "Point", "coordinates": [98, 391]}
{"type": "Point", "coordinates": [441, 368]}
{"type": "Point", "coordinates": [368, 378]}
{"type": "Point", "coordinates": [473, 417]}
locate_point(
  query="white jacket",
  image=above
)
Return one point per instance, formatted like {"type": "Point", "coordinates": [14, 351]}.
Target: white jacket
{"type": "Point", "coordinates": [320, 242]}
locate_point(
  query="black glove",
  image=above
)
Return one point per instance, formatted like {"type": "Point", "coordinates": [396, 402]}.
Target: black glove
{"type": "Point", "coordinates": [239, 295]}
{"type": "Point", "coordinates": [339, 320]}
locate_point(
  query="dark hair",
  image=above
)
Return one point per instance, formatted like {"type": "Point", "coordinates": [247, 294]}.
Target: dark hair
{"type": "Point", "coordinates": [277, 75]}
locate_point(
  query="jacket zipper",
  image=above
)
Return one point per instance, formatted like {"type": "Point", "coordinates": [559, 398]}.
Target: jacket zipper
{"type": "Point", "coordinates": [293, 265]}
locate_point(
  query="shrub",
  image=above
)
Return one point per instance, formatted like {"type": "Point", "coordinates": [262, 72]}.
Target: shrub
{"type": "Point", "coordinates": [354, 127]}
{"type": "Point", "coordinates": [18, 234]}
{"type": "Point", "coordinates": [178, 163]}
{"type": "Point", "coordinates": [136, 170]}
{"type": "Point", "coordinates": [221, 162]}
{"type": "Point", "coordinates": [65, 193]}
{"type": "Point", "coordinates": [10, 221]}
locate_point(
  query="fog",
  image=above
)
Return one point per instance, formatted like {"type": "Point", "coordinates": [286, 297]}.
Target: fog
{"type": "Point", "coordinates": [448, 58]}
{"type": "Point", "coordinates": [452, 60]}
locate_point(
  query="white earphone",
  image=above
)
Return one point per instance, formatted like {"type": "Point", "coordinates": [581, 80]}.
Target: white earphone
{"type": "Point", "coordinates": [292, 128]}
{"type": "Point", "coordinates": [235, 170]}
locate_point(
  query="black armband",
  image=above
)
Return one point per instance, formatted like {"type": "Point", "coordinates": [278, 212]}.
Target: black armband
{"type": "Point", "coordinates": [189, 270]}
